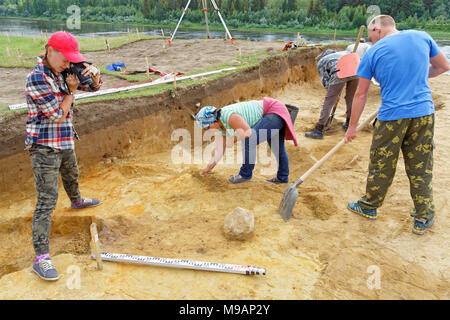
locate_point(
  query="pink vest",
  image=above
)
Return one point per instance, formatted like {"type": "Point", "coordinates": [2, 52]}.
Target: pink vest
{"type": "Point", "coordinates": [274, 106]}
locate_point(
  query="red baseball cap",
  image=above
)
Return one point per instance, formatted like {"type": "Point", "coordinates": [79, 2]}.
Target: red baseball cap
{"type": "Point", "coordinates": [66, 43]}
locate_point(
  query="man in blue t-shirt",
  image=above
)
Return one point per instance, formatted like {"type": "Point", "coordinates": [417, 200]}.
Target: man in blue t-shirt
{"type": "Point", "coordinates": [401, 62]}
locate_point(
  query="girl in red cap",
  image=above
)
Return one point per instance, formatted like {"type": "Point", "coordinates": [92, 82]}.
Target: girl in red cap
{"type": "Point", "coordinates": [49, 138]}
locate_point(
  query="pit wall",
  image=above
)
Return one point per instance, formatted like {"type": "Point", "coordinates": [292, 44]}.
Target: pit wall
{"type": "Point", "coordinates": [109, 128]}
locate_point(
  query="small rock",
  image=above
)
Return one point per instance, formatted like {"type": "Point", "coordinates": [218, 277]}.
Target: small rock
{"type": "Point", "coordinates": [239, 224]}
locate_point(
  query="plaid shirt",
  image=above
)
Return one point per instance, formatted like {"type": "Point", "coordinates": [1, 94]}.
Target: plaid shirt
{"type": "Point", "coordinates": [44, 93]}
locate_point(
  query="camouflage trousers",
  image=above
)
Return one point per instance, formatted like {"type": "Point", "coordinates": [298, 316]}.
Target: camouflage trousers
{"type": "Point", "coordinates": [414, 137]}
{"type": "Point", "coordinates": [47, 163]}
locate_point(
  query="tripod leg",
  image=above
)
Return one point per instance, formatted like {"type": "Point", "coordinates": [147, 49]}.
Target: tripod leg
{"type": "Point", "coordinates": [221, 19]}
{"type": "Point", "coordinates": [179, 21]}
{"type": "Point", "coordinates": [205, 11]}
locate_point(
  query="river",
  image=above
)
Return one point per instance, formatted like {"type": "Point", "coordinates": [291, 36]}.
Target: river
{"type": "Point", "coordinates": [26, 27]}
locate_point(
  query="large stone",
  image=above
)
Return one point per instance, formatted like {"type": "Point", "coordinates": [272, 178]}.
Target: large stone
{"type": "Point", "coordinates": [239, 224]}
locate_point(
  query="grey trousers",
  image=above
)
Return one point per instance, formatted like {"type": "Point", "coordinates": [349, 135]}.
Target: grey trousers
{"type": "Point", "coordinates": [47, 163]}
{"type": "Point", "coordinates": [332, 95]}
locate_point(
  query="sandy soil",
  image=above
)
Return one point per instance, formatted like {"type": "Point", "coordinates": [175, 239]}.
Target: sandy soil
{"type": "Point", "coordinates": [202, 54]}
{"type": "Point", "coordinates": [155, 208]}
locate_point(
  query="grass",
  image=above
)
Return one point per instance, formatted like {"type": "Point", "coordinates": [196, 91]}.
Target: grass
{"type": "Point", "coordinates": [242, 62]}
{"type": "Point", "coordinates": [5, 112]}
{"type": "Point", "coordinates": [30, 47]}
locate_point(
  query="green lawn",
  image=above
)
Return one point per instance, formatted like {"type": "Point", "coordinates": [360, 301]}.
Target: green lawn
{"type": "Point", "coordinates": [30, 47]}
{"type": "Point", "coordinates": [244, 62]}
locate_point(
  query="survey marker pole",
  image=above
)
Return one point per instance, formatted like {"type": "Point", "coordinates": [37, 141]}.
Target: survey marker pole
{"type": "Point", "coordinates": [221, 19]}
{"type": "Point", "coordinates": [205, 11]}
{"type": "Point", "coordinates": [179, 21]}
{"type": "Point", "coordinates": [216, 8]}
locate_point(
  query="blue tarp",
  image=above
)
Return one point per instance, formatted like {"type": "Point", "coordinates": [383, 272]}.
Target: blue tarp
{"type": "Point", "coordinates": [116, 66]}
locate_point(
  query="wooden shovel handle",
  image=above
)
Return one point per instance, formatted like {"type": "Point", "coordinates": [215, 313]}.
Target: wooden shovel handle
{"type": "Point", "coordinates": [361, 30]}
{"type": "Point", "coordinates": [332, 151]}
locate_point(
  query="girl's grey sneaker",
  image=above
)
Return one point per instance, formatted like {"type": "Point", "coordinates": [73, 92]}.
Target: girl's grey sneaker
{"type": "Point", "coordinates": [238, 179]}
{"type": "Point", "coordinates": [85, 203]}
{"type": "Point", "coordinates": [276, 180]}
{"type": "Point", "coordinates": [45, 270]}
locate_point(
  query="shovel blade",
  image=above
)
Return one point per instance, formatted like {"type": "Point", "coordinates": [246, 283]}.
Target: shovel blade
{"type": "Point", "coordinates": [288, 202]}
{"type": "Point", "coordinates": [348, 65]}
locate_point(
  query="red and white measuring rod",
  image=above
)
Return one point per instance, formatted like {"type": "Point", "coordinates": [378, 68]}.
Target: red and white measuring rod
{"type": "Point", "coordinates": [183, 264]}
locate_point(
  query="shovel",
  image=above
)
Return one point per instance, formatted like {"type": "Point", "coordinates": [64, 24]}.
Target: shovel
{"type": "Point", "coordinates": [347, 67]}
{"type": "Point", "coordinates": [291, 194]}
{"type": "Point", "coordinates": [330, 118]}
{"type": "Point", "coordinates": [348, 64]}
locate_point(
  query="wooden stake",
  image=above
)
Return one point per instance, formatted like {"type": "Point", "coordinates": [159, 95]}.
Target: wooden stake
{"type": "Point", "coordinates": [128, 33]}
{"type": "Point", "coordinates": [137, 32]}
{"type": "Point", "coordinates": [162, 32]}
{"type": "Point", "coordinates": [19, 55]}
{"type": "Point", "coordinates": [42, 34]}
{"type": "Point", "coordinates": [96, 246]}
{"type": "Point", "coordinates": [148, 67]}
{"type": "Point", "coordinates": [298, 39]}
{"type": "Point", "coordinates": [174, 78]}
{"type": "Point", "coordinates": [107, 45]}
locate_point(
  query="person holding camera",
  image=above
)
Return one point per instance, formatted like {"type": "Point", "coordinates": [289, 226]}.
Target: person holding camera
{"type": "Point", "coordinates": [50, 90]}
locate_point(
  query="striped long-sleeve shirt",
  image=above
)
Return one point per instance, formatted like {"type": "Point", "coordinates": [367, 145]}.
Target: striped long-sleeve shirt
{"type": "Point", "coordinates": [44, 93]}
{"type": "Point", "coordinates": [250, 111]}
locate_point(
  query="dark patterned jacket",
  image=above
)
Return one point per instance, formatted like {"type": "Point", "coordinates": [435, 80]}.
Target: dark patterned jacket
{"type": "Point", "coordinates": [326, 66]}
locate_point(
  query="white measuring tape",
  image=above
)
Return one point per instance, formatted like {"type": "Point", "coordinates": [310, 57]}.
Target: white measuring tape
{"type": "Point", "coordinates": [183, 264]}
{"type": "Point", "coordinates": [138, 86]}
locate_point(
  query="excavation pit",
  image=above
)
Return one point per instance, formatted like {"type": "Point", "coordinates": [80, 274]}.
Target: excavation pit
{"type": "Point", "coordinates": [153, 207]}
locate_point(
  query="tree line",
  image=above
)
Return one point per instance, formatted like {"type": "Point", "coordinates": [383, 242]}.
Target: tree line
{"type": "Point", "coordinates": [251, 14]}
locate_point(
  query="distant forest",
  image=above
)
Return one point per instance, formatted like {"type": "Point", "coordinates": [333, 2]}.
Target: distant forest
{"type": "Point", "coordinates": [243, 14]}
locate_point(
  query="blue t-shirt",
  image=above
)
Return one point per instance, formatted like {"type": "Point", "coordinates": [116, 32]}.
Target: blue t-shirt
{"type": "Point", "coordinates": [400, 63]}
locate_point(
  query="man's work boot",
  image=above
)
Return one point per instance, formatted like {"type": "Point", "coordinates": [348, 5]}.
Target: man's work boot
{"type": "Point", "coordinates": [317, 133]}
